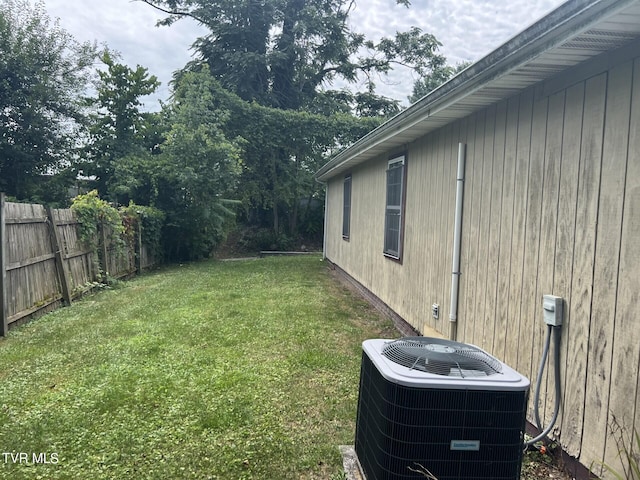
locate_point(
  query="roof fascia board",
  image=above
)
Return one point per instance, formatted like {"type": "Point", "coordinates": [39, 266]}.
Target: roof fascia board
{"type": "Point", "coordinates": [566, 21]}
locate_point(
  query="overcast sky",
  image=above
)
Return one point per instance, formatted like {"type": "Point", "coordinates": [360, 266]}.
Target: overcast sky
{"type": "Point", "coordinates": [467, 29]}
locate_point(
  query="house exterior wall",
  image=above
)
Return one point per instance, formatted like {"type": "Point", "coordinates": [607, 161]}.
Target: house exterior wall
{"type": "Point", "coordinates": [412, 286]}
{"type": "Point", "coordinates": [551, 205]}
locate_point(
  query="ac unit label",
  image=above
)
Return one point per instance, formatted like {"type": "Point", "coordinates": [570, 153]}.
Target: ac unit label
{"type": "Point", "coordinates": [465, 445]}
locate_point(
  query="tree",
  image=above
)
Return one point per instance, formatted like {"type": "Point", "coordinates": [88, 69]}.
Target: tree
{"type": "Point", "coordinates": [117, 129]}
{"type": "Point", "coordinates": [368, 104]}
{"type": "Point", "coordinates": [43, 72]}
{"type": "Point", "coordinates": [133, 176]}
{"type": "Point", "coordinates": [279, 59]}
{"type": "Point", "coordinates": [281, 150]}
{"type": "Point", "coordinates": [197, 171]}
{"type": "Point", "coordinates": [439, 74]}
{"type": "Point", "coordinates": [191, 174]}
{"type": "Point", "coordinates": [280, 53]}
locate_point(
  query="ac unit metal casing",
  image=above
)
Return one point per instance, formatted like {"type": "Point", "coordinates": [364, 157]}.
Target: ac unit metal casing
{"type": "Point", "coordinates": [456, 427]}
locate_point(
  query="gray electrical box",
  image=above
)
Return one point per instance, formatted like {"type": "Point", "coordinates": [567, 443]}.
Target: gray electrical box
{"type": "Point", "coordinates": [552, 310]}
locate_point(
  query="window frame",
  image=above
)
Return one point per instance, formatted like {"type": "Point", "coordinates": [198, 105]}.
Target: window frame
{"type": "Point", "coordinates": [346, 206]}
{"type": "Point", "coordinates": [395, 162]}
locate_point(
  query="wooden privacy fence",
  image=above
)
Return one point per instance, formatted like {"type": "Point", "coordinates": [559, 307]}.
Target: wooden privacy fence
{"type": "Point", "coordinates": [43, 262]}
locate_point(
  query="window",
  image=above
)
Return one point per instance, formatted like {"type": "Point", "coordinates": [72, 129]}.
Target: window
{"type": "Point", "coordinates": [394, 212]}
{"type": "Point", "coordinates": [346, 208]}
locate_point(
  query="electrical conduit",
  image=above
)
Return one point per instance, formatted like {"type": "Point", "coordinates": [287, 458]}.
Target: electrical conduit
{"type": "Point", "coordinates": [556, 360]}
{"type": "Point", "coordinates": [457, 240]}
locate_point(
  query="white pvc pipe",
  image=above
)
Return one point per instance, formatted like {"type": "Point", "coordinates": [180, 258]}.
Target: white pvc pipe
{"type": "Point", "coordinates": [326, 221]}
{"type": "Point", "coordinates": [457, 235]}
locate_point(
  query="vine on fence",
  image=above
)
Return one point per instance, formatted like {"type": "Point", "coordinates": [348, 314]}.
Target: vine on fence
{"type": "Point", "coordinates": [94, 214]}
{"type": "Point", "coordinates": [150, 220]}
{"type": "Point", "coordinates": [119, 226]}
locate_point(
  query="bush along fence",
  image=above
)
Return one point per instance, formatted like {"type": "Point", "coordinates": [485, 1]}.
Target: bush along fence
{"type": "Point", "coordinates": [49, 257]}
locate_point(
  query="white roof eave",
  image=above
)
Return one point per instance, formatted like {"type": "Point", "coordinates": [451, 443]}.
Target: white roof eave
{"type": "Point", "coordinates": [499, 75]}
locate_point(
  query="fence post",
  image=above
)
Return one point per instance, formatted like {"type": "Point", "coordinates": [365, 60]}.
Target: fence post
{"type": "Point", "coordinates": [4, 326]}
{"type": "Point", "coordinates": [61, 266]}
{"type": "Point", "coordinates": [105, 252]}
{"type": "Point", "coordinates": [137, 248]}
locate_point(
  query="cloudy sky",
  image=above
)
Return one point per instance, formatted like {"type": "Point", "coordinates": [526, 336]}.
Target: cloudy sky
{"type": "Point", "coordinates": [468, 30]}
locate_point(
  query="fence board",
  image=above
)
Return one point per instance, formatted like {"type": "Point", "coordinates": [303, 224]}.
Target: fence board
{"type": "Point", "coordinates": [4, 324]}
{"type": "Point", "coordinates": [147, 259]}
{"type": "Point", "coordinates": [63, 275]}
{"type": "Point", "coordinates": [21, 221]}
{"type": "Point", "coordinates": [31, 276]}
{"type": "Point", "coordinates": [117, 261]}
{"type": "Point", "coordinates": [80, 262]}
{"type": "Point", "coordinates": [43, 260]}
{"type": "Point", "coordinates": [30, 261]}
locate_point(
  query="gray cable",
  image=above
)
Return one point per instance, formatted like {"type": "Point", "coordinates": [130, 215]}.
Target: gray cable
{"type": "Point", "coordinates": [543, 362]}
{"type": "Point", "coordinates": [545, 354]}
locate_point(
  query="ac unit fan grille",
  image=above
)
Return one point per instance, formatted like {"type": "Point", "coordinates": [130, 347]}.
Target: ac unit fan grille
{"type": "Point", "coordinates": [442, 357]}
{"type": "Point", "coordinates": [399, 426]}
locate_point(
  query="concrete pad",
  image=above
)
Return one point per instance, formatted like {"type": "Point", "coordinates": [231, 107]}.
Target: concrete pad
{"type": "Point", "coordinates": [350, 463]}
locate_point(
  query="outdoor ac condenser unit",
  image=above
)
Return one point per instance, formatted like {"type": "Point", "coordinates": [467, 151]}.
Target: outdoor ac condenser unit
{"type": "Point", "coordinates": [439, 406]}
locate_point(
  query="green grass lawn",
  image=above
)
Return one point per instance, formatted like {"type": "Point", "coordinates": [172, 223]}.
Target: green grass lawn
{"type": "Point", "coordinates": [225, 370]}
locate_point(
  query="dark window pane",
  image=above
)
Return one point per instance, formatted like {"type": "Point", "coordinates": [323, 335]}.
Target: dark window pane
{"type": "Point", "coordinates": [393, 211]}
{"type": "Point", "coordinates": [346, 210]}
{"type": "Point", "coordinates": [392, 232]}
{"type": "Point", "coordinates": [394, 186]}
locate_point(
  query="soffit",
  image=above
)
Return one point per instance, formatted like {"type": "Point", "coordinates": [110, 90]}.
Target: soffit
{"type": "Point", "coordinates": [598, 27]}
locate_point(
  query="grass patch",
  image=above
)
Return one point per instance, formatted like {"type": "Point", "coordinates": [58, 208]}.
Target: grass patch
{"type": "Point", "coordinates": [210, 370]}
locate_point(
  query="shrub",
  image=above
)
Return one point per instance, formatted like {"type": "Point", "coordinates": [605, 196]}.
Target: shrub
{"type": "Point", "coordinates": [150, 220]}
{"type": "Point", "coordinates": [92, 214]}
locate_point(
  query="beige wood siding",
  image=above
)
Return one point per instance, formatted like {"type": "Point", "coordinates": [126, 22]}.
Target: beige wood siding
{"type": "Point", "coordinates": [552, 205]}
{"type": "Point", "coordinates": [429, 222]}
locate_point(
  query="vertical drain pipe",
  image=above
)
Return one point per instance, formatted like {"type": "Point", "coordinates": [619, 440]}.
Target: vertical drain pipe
{"type": "Point", "coordinates": [457, 240]}
{"type": "Point", "coordinates": [326, 217]}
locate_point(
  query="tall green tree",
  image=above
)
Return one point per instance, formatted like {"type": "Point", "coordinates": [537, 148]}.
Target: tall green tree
{"type": "Point", "coordinates": [132, 177]}
{"type": "Point", "coordinates": [281, 149]}
{"type": "Point", "coordinates": [197, 172]}
{"type": "Point", "coordinates": [438, 75]}
{"type": "Point", "coordinates": [186, 167]}
{"type": "Point", "coordinates": [43, 72]}
{"type": "Point", "coordinates": [285, 56]}
{"type": "Point", "coordinates": [119, 130]}
{"type": "Point", "coordinates": [281, 53]}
